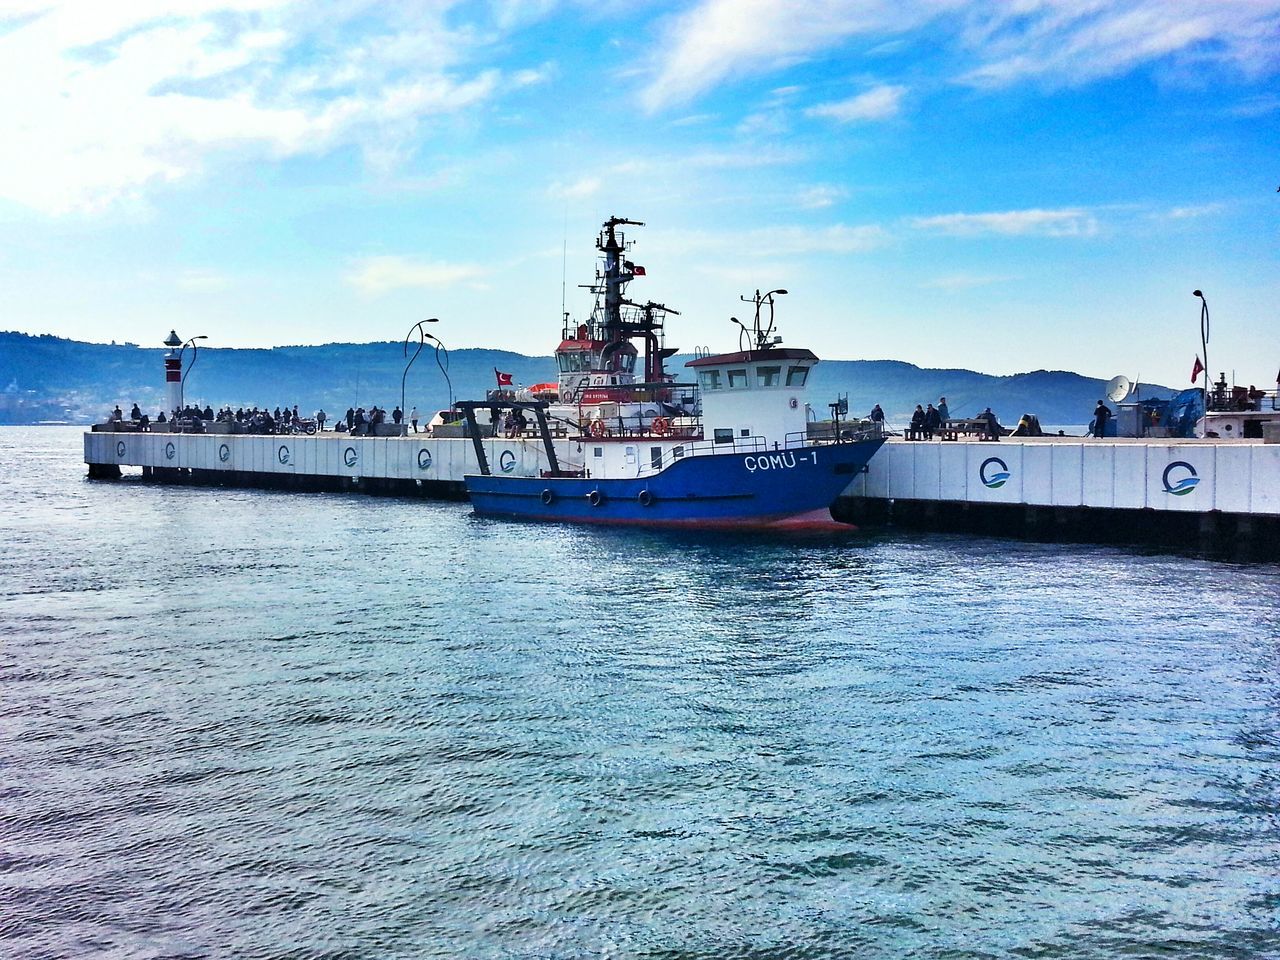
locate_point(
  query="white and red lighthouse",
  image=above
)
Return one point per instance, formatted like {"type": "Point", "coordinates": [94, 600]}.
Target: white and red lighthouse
{"type": "Point", "coordinates": [173, 372]}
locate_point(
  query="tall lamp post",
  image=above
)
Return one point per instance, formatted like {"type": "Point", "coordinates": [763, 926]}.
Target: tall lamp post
{"type": "Point", "coordinates": [420, 329]}
{"type": "Point", "coordinates": [195, 352]}
{"type": "Point", "coordinates": [1204, 340]}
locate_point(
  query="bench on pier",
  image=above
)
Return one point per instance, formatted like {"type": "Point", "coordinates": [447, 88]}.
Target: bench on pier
{"type": "Point", "coordinates": [953, 429]}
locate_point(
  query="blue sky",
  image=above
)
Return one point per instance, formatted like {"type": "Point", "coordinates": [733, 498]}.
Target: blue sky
{"type": "Point", "coordinates": [1005, 187]}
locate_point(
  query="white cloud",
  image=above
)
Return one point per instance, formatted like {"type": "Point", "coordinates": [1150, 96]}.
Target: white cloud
{"type": "Point", "coordinates": [202, 281]}
{"type": "Point", "coordinates": [1191, 212]}
{"type": "Point", "coordinates": [100, 101]}
{"type": "Point", "coordinates": [1055, 41]}
{"type": "Point", "coordinates": [775, 241]}
{"type": "Point", "coordinates": [820, 196]}
{"type": "Point", "coordinates": [878, 103]}
{"type": "Point", "coordinates": [1067, 222]}
{"type": "Point", "coordinates": [374, 276]}
{"type": "Point", "coordinates": [578, 190]}
{"type": "Point", "coordinates": [1069, 42]}
{"type": "Point", "coordinates": [964, 281]}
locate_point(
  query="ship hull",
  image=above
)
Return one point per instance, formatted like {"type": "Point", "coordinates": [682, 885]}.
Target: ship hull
{"type": "Point", "coordinates": [786, 489]}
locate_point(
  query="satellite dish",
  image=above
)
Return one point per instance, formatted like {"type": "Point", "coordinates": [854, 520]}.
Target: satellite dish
{"type": "Point", "coordinates": [1118, 388]}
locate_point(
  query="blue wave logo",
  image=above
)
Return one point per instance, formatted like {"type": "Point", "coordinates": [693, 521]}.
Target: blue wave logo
{"type": "Point", "coordinates": [996, 479]}
{"type": "Point", "coordinates": [119, 448]}
{"type": "Point", "coordinates": [169, 450]}
{"type": "Point", "coordinates": [424, 459]}
{"type": "Point", "coordinates": [1184, 485]}
{"type": "Point", "coordinates": [224, 453]}
{"type": "Point", "coordinates": [283, 455]}
{"type": "Point", "coordinates": [350, 457]}
{"type": "Point", "coordinates": [507, 461]}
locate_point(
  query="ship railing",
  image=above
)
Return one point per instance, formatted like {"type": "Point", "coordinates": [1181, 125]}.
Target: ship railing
{"type": "Point", "coordinates": [841, 431]}
{"type": "Point", "coordinates": [640, 427]}
{"type": "Point", "coordinates": [1237, 399]}
{"type": "Point", "coordinates": [704, 448]}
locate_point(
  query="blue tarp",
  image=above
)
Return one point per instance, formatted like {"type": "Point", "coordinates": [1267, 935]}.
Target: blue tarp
{"type": "Point", "coordinates": [1182, 412]}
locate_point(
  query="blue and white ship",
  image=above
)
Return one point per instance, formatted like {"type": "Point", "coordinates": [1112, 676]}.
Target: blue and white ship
{"type": "Point", "coordinates": [732, 448]}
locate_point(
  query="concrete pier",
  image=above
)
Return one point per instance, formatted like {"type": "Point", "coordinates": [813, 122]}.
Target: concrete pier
{"type": "Point", "coordinates": [1213, 496]}
{"type": "Point", "coordinates": [1219, 497]}
{"type": "Point", "coordinates": [413, 465]}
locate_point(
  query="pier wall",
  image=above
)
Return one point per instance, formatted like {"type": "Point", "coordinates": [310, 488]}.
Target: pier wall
{"type": "Point", "coordinates": [1220, 498]}
{"type": "Point", "coordinates": [310, 461]}
{"type": "Point", "coordinates": [1177, 476]}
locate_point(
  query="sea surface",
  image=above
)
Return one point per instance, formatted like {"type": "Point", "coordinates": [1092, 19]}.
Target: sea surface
{"type": "Point", "coordinates": [262, 724]}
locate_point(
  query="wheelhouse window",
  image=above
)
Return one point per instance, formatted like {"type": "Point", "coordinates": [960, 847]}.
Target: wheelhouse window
{"type": "Point", "coordinates": [768, 376]}
{"type": "Point", "coordinates": [738, 379]}
{"type": "Point", "coordinates": [796, 376]}
{"type": "Point", "coordinates": [723, 435]}
{"type": "Point", "coordinates": [709, 379]}
{"type": "Point", "coordinates": [627, 362]}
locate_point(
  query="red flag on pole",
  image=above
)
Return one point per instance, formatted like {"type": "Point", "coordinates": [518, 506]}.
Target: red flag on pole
{"type": "Point", "coordinates": [1197, 369]}
{"type": "Point", "coordinates": [504, 379]}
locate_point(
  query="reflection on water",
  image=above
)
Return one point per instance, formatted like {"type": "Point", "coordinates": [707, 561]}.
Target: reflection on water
{"type": "Point", "coordinates": [264, 724]}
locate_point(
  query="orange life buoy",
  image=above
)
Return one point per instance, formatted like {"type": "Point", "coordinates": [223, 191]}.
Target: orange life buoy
{"type": "Point", "coordinates": [597, 428]}
{"type": "Point", "coordinates": [660, 427]}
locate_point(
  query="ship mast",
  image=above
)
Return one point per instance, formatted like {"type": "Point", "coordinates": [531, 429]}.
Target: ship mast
{"type": "Point", "coordinates": [611, 244]}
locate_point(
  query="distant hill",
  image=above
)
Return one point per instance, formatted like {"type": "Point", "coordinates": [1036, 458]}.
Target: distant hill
{"type": "Point", "coordinates": [49, 378]}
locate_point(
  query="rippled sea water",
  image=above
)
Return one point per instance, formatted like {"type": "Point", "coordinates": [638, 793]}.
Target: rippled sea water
{"type": "Point", "coordinates": [261, 724]}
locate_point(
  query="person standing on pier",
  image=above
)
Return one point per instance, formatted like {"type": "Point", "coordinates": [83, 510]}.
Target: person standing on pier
{"type": "Point", "coordinates": [413, 418]}
{"type": "Point", "coordinates": [931, 422]}
{"type": "Point", "coordinates": [351, 419]}
{"type": "Point", "coordinates": [320, 419]}
{"type": "Point", "coordinates": [944, 414]}
{"type": "Point", "coordinates": [1101, 414]}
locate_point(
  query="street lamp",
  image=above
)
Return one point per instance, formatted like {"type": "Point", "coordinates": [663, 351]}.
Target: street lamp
{"type": "Point", "coordinates": [423, 337]}
{"type": "Point", "coordinates": [194, 353]}
{"type": "Point", "coordinates": [1204, 339]}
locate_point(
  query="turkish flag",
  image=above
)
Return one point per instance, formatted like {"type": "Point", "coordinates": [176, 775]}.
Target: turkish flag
{"type": "Point", "coordinates": [504, 379]}
{"type": "Point", "coordinates": [1197, 369]}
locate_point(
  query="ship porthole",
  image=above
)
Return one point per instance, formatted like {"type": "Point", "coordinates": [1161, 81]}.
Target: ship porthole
{"type": "Point", "coordinates": [548, 497]}
{"type": "Point", "coordinates": [595, 497]}
{"type": "Point", "coordinates": [645, 498]}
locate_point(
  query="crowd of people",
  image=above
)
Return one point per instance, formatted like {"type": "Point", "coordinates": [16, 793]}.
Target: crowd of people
{"type": "Point", "coordinates": [927, 421]}
{"type": "Point", "coordinates": [282, 419]}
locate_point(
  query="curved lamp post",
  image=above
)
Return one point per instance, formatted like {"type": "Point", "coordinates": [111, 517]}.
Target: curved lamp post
{"type": "Point", "coordinates": [1204, 339]}
{"type": "Point", "coordinates": [195, 352]}
{"type": "Point", "coordinates": [420, 329]}
{"type": "Point", "coordinates": [769, 297]}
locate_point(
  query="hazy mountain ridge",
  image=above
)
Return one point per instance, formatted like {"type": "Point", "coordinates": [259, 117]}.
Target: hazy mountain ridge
{"type": "Point", "coordinates": [50, 378]}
